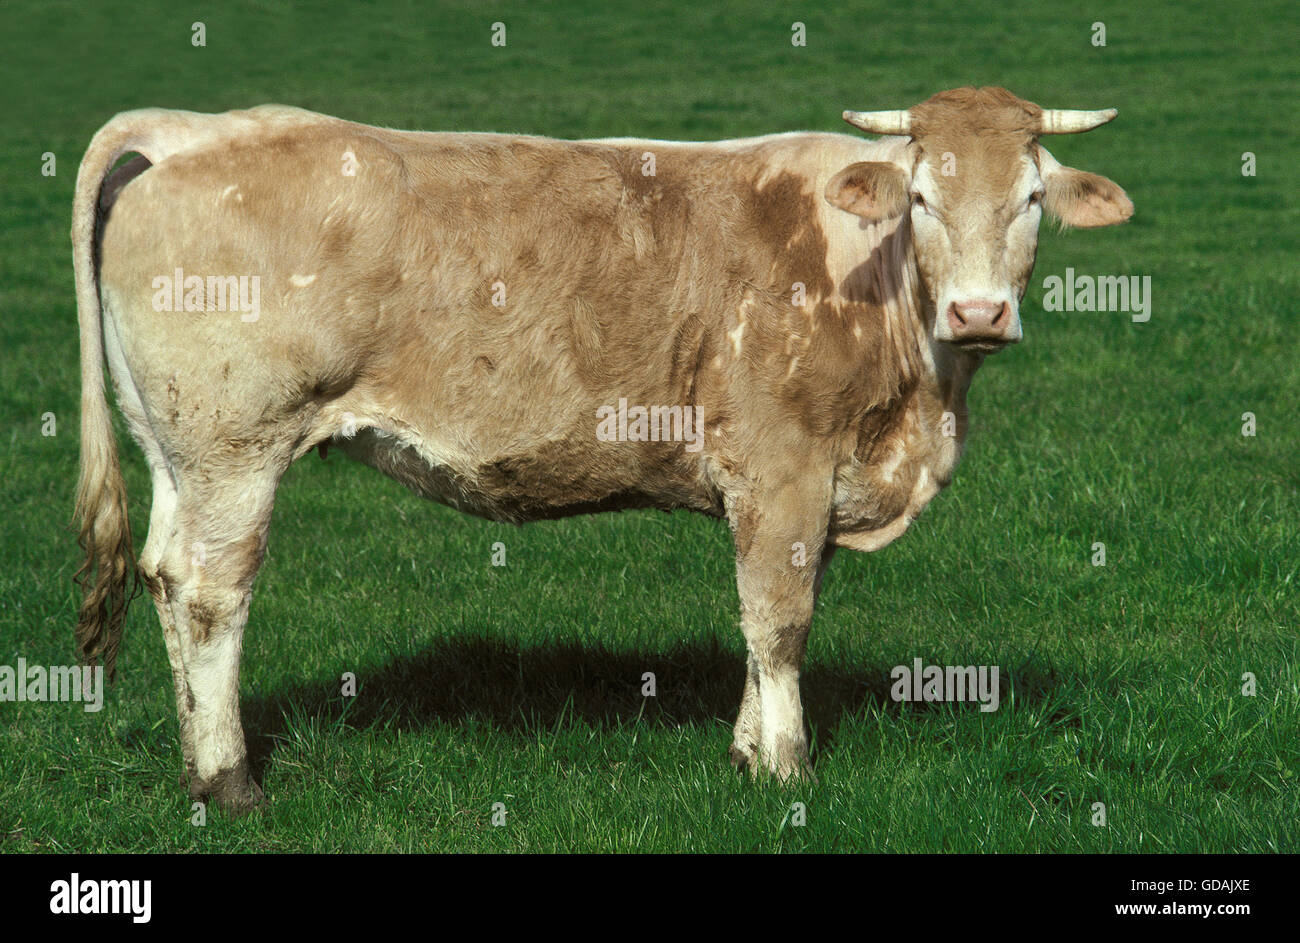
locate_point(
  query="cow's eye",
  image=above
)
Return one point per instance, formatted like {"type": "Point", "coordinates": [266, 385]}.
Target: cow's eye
{"type": "Point", "coordinates": [1036, 197]}
{"type": "Point", "coordinates": [918, 201]}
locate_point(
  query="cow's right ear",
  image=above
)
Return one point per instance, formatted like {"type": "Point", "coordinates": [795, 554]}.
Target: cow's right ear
{"type": "Point", "coordinates": [869, 189]}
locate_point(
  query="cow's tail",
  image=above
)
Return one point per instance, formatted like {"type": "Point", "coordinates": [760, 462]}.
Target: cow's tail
{"type": "Point", "coordinates": [104, 531]}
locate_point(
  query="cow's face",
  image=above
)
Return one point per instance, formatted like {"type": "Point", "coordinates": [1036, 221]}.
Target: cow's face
{"type": "Point", "coordinates": [973, 185]}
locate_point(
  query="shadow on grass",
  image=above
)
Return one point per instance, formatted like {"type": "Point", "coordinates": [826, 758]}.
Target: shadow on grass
{"type": "Point", "coordinates": [533, 689]}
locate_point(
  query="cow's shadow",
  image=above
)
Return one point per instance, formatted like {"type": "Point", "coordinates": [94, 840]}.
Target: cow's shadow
{"type": "Point", "coordinates": [529, 689]}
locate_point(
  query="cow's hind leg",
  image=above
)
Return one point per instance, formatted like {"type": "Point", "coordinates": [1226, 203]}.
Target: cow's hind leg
{"type": "Point", "coordinates": [162, 523]}
{"type": "Point", "coordinates": [207, 570]}
{"type": "Point", "coordinates": [162, 527]}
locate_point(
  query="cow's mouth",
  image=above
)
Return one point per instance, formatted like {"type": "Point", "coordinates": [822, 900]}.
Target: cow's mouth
{"type": "Point", "coordinates": [982, 345]}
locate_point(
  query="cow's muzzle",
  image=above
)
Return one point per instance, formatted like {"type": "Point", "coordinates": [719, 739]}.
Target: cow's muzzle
{"type": "Point", "coordinates": [982, 325]}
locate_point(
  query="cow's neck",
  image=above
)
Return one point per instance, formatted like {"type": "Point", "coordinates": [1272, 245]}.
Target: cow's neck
{"type": "Point", "coordinates": [903, 366]}
{"type": "Point", "coordinates": [907, 440]}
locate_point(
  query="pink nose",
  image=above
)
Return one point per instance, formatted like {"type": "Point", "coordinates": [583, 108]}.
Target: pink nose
{"type": "Point", "coordinates": [979, 320]}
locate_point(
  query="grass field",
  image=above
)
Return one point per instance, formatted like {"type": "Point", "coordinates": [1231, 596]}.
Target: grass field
{"type": "Point", "coordinates": [521, 684]}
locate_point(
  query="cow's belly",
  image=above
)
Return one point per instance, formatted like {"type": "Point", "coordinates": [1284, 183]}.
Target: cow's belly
{"type": "Point", "coordinates": [552, 478]}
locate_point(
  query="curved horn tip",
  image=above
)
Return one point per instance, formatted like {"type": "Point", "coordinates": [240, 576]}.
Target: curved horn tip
{"type": "Point", "coordinates": [879, 122]}
{"type": "Point", "coordinates": [1071, 121]}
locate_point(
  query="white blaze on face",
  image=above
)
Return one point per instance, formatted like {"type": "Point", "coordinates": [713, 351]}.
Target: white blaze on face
{"type": "Point", "coordinates": [975, 246]}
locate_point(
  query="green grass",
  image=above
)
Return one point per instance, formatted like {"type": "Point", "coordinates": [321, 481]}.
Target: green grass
{"type": "Point", "coordinates": [521, 684]}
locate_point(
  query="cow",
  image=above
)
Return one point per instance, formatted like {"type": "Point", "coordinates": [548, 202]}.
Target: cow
{"type": "Point", "coordinates": [472, 313]}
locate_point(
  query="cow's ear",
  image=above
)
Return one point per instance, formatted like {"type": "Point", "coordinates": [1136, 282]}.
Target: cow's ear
{"type": "Point", "coordinates": [1078, 198]}
{"type": "Point", "coordinates": [869, 189]}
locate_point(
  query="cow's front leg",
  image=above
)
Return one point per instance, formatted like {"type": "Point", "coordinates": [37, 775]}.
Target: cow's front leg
{"type": "Point", "coordinates": [749, 722]}
{"type": "Point", "coordinates": [779, 541]}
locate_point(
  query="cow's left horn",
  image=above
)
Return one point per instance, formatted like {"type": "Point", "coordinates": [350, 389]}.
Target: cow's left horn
{"type": "Point", "coordinates": [1063, 121]}
{"type": "Point", "coordinates": [880, 122]}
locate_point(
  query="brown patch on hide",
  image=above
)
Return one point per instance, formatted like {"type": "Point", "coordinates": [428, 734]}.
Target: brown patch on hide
{"type": "Point", "coordinates": [790, 644]}
{"type": "Point", "coordinates": [203, 619]}
{"type": "Point", "coordinates": [785, 219]}
{"type": "Point", "coordinates": [744, 524]}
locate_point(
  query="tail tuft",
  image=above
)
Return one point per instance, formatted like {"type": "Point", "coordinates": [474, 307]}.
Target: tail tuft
{"type": "Point", "coordinates": [107, 577]}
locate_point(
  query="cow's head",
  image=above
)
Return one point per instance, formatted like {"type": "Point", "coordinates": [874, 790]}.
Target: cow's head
{"type": "Point", "coordinates": [975, 181]}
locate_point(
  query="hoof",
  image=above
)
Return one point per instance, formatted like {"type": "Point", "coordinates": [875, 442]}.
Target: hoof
{"type": "Point", "coordinates": [788, 762]}
{"type": "Point", "coordinates": [742, 760]}
{"type": "Point", "coordinates": [231, 789]}
{"type": "Point", "coordinates": [799, 775]}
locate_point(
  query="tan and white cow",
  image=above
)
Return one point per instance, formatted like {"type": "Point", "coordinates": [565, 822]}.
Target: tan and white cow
{"type": "Point", "coordinates": [459, 310]}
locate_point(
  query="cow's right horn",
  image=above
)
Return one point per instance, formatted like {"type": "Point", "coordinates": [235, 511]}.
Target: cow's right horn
{"type": "Point", "coordinates": [1064, 121]}
{"type": "Point", "coordinates": [880, 122]}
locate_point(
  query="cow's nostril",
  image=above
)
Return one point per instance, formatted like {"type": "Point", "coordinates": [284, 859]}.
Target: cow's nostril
{"type": "Point", "coordinates": [954, 313]}
{"type": "Point", "coordinates": [1002, 310]}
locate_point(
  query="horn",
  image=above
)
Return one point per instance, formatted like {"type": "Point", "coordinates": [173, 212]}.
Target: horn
{"type": "Point", "coordinates": [1064, 121]}
{"type": "Point", "coordinates": [880, 122]}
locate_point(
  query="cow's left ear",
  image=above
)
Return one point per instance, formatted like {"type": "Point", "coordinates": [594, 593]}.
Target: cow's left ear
{"type": "Point", "coordinates": [870, 189]}
{"type": "Point", "coordinates": [1078, 198]}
